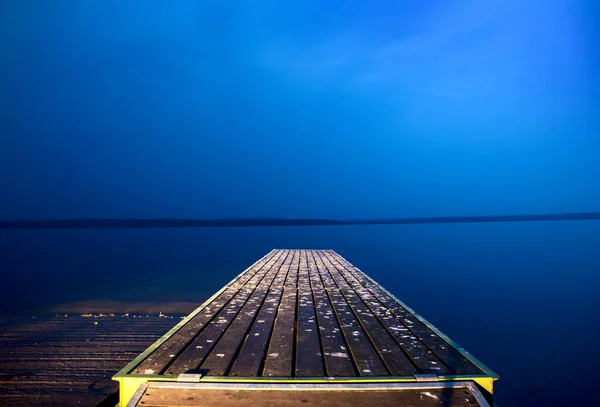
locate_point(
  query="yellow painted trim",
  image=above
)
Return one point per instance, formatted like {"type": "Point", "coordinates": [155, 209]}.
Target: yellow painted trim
{"type": "Point", "coordinates": [486, 383]}
{"type": "Point", "coordinates": [127, 388]}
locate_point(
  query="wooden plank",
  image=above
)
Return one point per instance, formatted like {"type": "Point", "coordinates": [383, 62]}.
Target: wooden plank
{"type": "Point", "coordinates": [162, 356]}
{"type": "Point", "coordinates": [442, 349]}
{"type": "Point", "coordinates": [252, 354]}
{"type": "Point", "coordinates": [366, 358]}
{"type": "Point", "coordinates": [279, 360]}
{"type": "Point", "coordinates": [419, 354]}
{"type": "Point", "coordinates": [393, 356]}
{"type": "Point", "coordinates": [66, 352]}
{"type": "Point", "coordinates": [195, 352]}
{"type": "Point", "coordinates": [309, 357]}
{"type": "Point", "coordinates": [338, 361]}
{"type": "Point", "coordinates": [218, 361]}
{"type": "Point", "coordinates": [165, 397]}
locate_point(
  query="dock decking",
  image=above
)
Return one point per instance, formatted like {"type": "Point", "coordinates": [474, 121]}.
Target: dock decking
{"type": "Point", "coordinates": [303, 316]}
{"type": "Point", "coordinates": [53, 360]}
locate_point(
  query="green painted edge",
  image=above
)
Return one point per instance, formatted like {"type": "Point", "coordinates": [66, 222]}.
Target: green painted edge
{"type": "Point", "coordinates": [142, 356]}
{"type": "Point", "coordinates": [316, 379]}
{"type": "Point", "coordinates": [489, 372]}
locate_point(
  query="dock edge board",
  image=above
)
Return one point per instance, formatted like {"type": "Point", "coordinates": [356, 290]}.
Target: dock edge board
{"type": "Point", "coordinates": [335, 387]}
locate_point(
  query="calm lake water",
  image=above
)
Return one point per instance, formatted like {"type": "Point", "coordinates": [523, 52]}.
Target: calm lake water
{"type": "Point", "coordinates": [524, 298]}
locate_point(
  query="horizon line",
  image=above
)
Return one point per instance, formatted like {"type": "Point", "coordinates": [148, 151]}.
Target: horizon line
{"type": "Point", "coordinates": [137, 223]}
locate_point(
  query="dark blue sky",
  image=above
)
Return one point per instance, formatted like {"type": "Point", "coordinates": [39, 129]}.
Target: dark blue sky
{"type": "Point", "coordinates": [296, 108]}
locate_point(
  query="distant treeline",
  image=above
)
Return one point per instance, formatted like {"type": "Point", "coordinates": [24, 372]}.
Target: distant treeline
{"type": "Point", "coordinates": [262, 222]}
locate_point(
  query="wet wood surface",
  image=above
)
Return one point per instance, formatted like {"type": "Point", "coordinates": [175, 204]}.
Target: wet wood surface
{"type": "Point", "coordinates": [58, 360]}
{"type": "Point", "coordinates": [279, 358]}
{"type": "Point", "coordinates": [309, 359]}
{"type": "Point", "coordinates": [305, 313]}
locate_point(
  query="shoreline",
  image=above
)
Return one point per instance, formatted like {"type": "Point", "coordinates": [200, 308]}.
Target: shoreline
{"type": "Point", "coordinates": [118, 307]}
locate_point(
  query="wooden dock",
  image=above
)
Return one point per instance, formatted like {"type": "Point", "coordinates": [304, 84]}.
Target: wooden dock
{"type": "Point", "coordinates": [304, 318]}
{"type": "Point", "coordinates": [62, 360]}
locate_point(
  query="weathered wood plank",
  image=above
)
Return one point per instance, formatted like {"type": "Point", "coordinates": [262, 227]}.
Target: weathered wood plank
{"type": "Point", "coordinates": [32, 352]}
{"type": "Point", "coordinates": [338, 361]}
{"type": "Point", "coordinates": [224, 352]}
{"type": "Point", "coordinates": [419, 354]}
{"type": "Point", "coordinates": [442, 349]}
{"type": "Point", "coordinates": [322, 398]}
{"type": "Point", "coordinates": [162, 356]}
{"type": "Point", "coordinates": [365, 356]}
{"type": "Point", "coordinates": [393, 356]}
{"type": "Point", "coordinates": [279, 359]}
{"type": "Point", "coordinates": [201, 345]}
{"type": "Point", "coordinates": [252, 354]}
{"type": "Point", "coordinates": [309, 357]}
{"type": "Point", "coordinates": [55, 364]}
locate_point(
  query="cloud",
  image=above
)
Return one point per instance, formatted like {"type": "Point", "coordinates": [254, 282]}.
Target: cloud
{"type": "Point", "coordinates": [477, 62]}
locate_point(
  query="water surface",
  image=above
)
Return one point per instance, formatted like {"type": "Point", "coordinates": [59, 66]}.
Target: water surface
{"type": "Point", "coordinates": [523, 298]}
